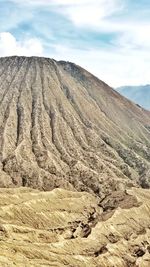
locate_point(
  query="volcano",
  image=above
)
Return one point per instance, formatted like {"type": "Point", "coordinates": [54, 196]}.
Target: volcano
{"type": "Point", "coordinates": [60, 126]}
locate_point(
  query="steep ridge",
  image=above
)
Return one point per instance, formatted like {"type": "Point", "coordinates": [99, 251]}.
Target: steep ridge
{"type": "Point", "coordinates": [62, 127]}
{"type": "Point", "coordinates": [64, 228]}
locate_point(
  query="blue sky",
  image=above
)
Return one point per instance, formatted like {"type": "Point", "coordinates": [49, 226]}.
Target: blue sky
{"type": "Point", "coordinates": [110, 38]}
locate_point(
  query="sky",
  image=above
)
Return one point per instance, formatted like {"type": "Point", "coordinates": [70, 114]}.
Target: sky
{"type": "Point", "coordinates": [110, 38]}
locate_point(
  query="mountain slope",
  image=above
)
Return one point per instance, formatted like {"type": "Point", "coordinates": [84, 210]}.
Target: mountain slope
{"type": "Point", "coordinates": [138, 94]}
{"type": "Point", "coordinates": [63, 228]}
{"type": "Point", "coordinates": [62, 127]}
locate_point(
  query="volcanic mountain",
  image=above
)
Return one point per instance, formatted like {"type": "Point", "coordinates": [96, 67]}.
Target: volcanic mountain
{"type": "Point", "coordinates": [60, 126]}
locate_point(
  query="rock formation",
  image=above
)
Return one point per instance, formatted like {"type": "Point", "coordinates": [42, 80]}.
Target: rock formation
{"type": "Point", "coordinates": [62, 127]}
{"type": "Point", "coordinates": [63, 228]}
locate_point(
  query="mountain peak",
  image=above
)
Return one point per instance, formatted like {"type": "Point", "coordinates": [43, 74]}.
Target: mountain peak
{"type": "Point", "coordinates": [63, 127]}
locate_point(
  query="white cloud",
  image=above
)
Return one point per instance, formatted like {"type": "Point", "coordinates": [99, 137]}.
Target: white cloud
{"type": "Point", "coordinates": [10, 46]}
{"type": "Point", "coordinates": [124, 60]}
{"type": "Point", "coordinates": [135, 36]}
{"type": "Point", "coordinates": [81, 12]}
{"type": "Point", "coordinates": [89, 13]}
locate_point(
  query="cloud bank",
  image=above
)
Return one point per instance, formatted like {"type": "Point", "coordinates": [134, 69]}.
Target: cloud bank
{"type": "Point", "coordinates": [10, 46]}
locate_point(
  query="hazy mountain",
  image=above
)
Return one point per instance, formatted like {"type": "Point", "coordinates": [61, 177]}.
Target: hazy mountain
{"type": "Point", "coordinates": [62, 127]}
{"type": "Point", "coordinates": [138, 94]}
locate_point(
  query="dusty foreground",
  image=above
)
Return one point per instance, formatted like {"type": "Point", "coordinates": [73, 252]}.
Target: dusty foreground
{"type": "Point", "coordinates": [63, 228]}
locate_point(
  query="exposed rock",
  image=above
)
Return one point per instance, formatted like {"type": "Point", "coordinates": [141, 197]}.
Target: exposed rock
{"type": "Point", "coordinates": [64, 228]}
{"type": "Point", "coordinates": [62, 127]}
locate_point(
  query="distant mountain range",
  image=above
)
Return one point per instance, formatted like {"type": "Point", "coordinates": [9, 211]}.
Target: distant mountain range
{"type": "Point", "coordinates": [138, 94]}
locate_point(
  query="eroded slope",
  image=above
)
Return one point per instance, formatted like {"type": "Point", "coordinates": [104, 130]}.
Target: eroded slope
{"type": "Point", "coordinates": [62, 127]}
{"type": "Point", "coordinates": [64, 228]}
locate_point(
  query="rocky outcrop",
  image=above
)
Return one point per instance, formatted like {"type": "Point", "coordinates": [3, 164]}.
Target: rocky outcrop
{"type": "Point", "coordinates": [62, 127]}
{"type": "Point", "coordinates": [64, 228]}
